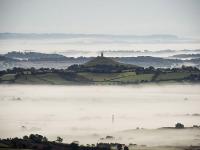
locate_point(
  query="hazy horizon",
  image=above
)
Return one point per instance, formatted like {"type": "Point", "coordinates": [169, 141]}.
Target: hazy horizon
{"type": "Point", "coordinates": [138, 17]}
{"type": "Point", "coordinates": [100, 25]}
{"type": "Point", "coordinates": [62, 42]}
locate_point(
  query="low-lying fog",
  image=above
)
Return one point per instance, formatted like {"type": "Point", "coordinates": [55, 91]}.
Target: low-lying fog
{"type": "Point", "coordinates": [87, 113]}
{"type": "Point", "coordinates": [89, 46]}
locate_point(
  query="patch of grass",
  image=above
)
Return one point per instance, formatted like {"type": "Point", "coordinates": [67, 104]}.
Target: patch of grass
{"type": "Point", "coordinates": [111, 78]}
{"type": "Point", "coordinates": [101, 77]}
{"type": "Point", "coordinates": [92, 78]}
{"type": "Point", "coordinates": [8, 77]}
{"type": "Point", "coordinates": [172, 76]}
{"type": "Point", "coordinates": [135, 78]}
{"type": "Point", "coordinates": [47, 78]}
{"type": "Point", "coordinates": [52, 78]}
{"type": "Point", "coordinates": [2, 145]}
{"type": "Point", "coordinates": [29, 79]}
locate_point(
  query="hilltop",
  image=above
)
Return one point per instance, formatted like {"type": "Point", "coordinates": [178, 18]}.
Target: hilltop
{"type": "Point", "coordinates": [101, 61]}
{"type": "Point", "coordinates": [103, 64]}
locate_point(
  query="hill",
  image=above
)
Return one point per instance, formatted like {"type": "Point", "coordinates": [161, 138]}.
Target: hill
{"type": "Point", "coordinates": [101, 61]}
{"type": "Point", "coordinates": [37, 60]}
{"type": "Point", "coordinates": [146, 61]}
{"type": "Point", "coordinates": [103, 65]}
{"type": "Point", "coordinates": [33, 56]}
{"type": "Point", "coordinates": [187, 56]}
{"type": "Point", "coordinates": [3, 58]}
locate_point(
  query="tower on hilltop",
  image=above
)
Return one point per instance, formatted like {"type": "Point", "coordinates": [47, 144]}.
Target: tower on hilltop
{"type": "Point", "coordinates": [101, 54]}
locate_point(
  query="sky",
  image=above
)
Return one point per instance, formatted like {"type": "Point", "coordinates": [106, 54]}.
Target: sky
{"type": "Point", "coordinates": [136, 17]}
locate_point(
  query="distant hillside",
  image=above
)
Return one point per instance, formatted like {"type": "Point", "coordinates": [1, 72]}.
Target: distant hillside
{"type": "Point", "coordinates": [197, 60]}
{"type": "Point", "coordinates": [67, 36]}
{"type": "Point", "coordinates": [33, 56]}
{"type": "Point", "coordinates": [99, 38]}
{"type": "Point", "coordinates": [39, 60]}
{"type": "Point", "coordinates": [107, 61]}
{"type": "Point", "coordinates": [187, 56]}
{"type": "Point", "coordinates": [3, 58]}
{"type": "Point", "coordinates": [146, 61]}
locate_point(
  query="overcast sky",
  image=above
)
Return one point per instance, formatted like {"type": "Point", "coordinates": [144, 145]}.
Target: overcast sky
{"type": "Point", "coordinates": [138, 17]}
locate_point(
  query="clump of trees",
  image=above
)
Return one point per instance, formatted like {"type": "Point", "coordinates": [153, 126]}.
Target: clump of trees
{"type": "Point", "coordinates": [151, 69]}
{"type": "Point", "coordinates": [101, 68]}
{"type": "Point", "coordinates": [120, 68]}
{"type": "Point", "coordinates": [179, 126]}
{"type": "Point", "coordinates": [36, 141]}
{"type": "Point", "coordinates": [193, 77]}
{"type": "Point", "coordinates": [59, 139]}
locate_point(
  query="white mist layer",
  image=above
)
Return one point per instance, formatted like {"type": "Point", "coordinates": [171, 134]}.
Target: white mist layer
{"type": "Point", "coordinates": [85, 112]}
{"type": "Point", "coordinates": [64, 45]}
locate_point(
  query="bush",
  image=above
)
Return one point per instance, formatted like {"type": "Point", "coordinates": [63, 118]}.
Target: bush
{"type": "Point", "coordinates": [179, 126]}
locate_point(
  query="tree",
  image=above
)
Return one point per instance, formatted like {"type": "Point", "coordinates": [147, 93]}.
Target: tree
{"type": "Point", "coordinates": [179, 126]}
{"type": "Point", "coordinates": [126, 148]}
{"type": "Point", "coordinates": [119, 147]}
{"type": "Point", "coordinates": [33, 70]}
{"type": "Point", "coordinates": [74, 146]}
{"type": "Point", "coordinates": [37, 138]}
{"type": "Point", "coordinates": [25, 137]}
{"type": "Point", "coordinates": [59, 139]}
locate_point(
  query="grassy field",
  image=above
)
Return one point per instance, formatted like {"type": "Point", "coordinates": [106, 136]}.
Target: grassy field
{"type": "Point", "coordinates": [172, 76]}
{"type": "Point", "coordinates": [125, 77]}
{"type": "Point", "coordinates": [48, 78]}
{"type": "Point", "coordinates": [134, 78]}
{"type": "Point", "coordinates": [92, 78]}
{"type": "Point", "coordinates": [8, 77]}
{"type": "Point", "coordinates": [102, 77]}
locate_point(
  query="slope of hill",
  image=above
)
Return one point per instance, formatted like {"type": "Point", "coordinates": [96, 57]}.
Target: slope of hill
{"type": "Point", "coordinates": [33, 56]}
{"type": "Point", "coordinates": [3, 58]}
{"type": "Point", "coordinates": [103, 65]}
{"type": "Point", "coordinates": [187, 56]}
{"type": "Point", "coordinates": [146, 61]}
{"type": "Point", "coordinates": [101, 61]}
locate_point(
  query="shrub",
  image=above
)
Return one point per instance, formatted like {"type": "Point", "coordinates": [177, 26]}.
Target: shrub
{"type": "Point", "coordinates": [179, 126]}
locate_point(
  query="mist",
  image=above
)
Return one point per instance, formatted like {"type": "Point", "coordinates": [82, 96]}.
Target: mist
{"type": "Point", "coordinates": [84, 112]}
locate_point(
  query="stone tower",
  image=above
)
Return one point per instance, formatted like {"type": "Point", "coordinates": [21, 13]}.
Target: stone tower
{"type": "Point", "coordinates": [101, 54]}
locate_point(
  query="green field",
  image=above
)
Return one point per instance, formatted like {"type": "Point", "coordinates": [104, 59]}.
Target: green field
{"type": "Point", "coordinates": [125, 77]}
{"type": "Point", "coordinates": [8, 77]}
{"type": "Point", "coordinates": [172, 76]}
{"type": "Point", "coordinates": [135, 78]}
{"type": "Point", "coordinates": [48, 78]}
{"type": "Point", "coordinates": [102, 77]}
{"type": "Point", "coordinates": [93, 78]}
